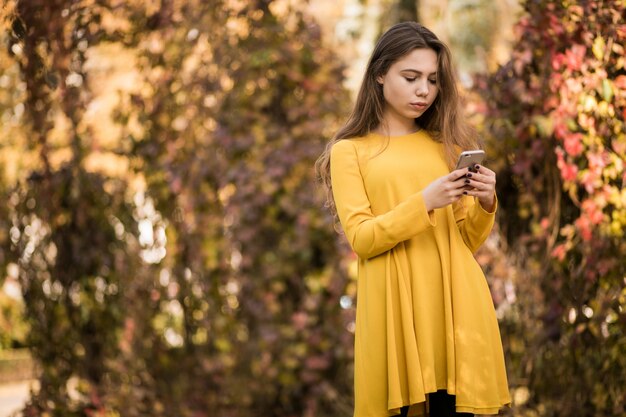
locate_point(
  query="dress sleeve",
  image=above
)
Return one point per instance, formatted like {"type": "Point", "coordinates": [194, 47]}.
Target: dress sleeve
{"type": "Point", "coordinates": [474, 221]}
{"type": "Point", "coordinates": [371, 235]}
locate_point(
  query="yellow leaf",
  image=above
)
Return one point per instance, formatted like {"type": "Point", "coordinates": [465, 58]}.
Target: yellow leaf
{"type": "Point", "coordinates": [599, 47]}
{"type": "Point", "coordinates": [589, 104]}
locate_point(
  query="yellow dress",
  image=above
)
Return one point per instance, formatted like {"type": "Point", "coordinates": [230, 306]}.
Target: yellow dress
{"type": "Point", "coordinates": [425, 319]}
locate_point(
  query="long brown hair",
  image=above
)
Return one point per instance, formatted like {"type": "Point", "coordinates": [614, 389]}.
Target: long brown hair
{"type": "Point", "coordinates": [443, 119]}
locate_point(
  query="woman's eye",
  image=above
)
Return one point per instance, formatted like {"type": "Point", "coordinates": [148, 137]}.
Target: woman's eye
{"type": "Point", "coordinates": [409, 79]}
{"type": "Point", "coordinates": [432, 81]}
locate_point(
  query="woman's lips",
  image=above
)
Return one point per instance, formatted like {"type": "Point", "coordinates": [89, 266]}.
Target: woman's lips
{"type": "Point", "coordinates": [419, 106]}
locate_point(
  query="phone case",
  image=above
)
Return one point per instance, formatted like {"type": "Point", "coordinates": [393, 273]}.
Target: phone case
{"type": "Point", "coordinates": [470, 158]}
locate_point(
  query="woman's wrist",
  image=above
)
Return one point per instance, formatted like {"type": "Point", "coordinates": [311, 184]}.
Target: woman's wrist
{"type": "Point", "coordinates": [426, 199]}
{"type": "Point", "coordinates": [488, 205]}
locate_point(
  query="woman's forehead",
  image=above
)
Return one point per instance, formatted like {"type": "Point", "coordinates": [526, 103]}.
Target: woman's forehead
{"type": "Point", "coordinates": [423, 61]}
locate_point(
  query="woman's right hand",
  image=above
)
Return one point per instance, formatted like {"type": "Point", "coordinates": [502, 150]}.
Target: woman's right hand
{"type": "Point", "coordinates": [445, 190]}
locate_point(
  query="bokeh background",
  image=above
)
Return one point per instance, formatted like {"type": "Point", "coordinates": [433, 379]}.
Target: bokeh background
{"type": "Point", "coordinates": [164, 245]}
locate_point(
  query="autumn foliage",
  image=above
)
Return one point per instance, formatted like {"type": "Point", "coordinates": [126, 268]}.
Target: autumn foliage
{"type": "Point", "coordinates": [557, 119]}
{"type": "Point", "coordinates": [195, 274]}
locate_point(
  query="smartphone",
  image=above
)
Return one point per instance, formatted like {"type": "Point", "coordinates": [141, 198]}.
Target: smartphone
{"type": "Point", "coordinates": [470, 158]}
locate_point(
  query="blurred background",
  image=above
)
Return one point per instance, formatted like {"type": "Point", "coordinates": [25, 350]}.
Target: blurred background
{"type": "Point", "coordinates": [164, 245]}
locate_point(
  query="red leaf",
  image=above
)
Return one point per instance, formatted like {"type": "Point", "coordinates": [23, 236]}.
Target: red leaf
{"type": "Point", "coordinates": [559, 252]}
{"type": "Point", "coordinates": [573, 144]}
{"type": "Point", "coordinates": [584, 227]}
{"type": "Point", "coordinates": [620, 82]}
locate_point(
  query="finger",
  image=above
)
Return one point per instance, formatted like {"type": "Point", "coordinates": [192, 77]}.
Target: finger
{"type": "Point", "coordinates": [481, 186]}
{"type": "Point", "coordinates": [484, 170]}
{"type": "Point", "coordinates": [482, 178]}
{"type": "Point", "coordinates": [468, 184]}
{"type": "Point", "coordinates": [468, 187]}
{"type": "Point", "coordinates": [456, 187]}
{"type": "Point", "coordinates": [457, 174]}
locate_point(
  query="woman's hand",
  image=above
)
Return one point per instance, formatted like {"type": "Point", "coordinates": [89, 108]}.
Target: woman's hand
{"type": "Point", "coordinates": [445, 190]}
{"type": "Point", "coordinates": [482, 184]}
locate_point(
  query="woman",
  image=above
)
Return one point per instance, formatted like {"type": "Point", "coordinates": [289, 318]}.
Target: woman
{"type": "Point", "coordinates": [427, 339]}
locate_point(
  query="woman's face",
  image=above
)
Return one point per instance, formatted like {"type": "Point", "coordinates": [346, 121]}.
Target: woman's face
{"type": "Point", "coordinates": [410, 85]}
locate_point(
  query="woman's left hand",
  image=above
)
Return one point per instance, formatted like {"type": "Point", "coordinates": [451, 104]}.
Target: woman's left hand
{"type": "Point", "coordinates": [482, 184]}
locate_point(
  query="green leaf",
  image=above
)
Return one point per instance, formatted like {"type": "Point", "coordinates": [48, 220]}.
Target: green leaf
{"type": "Point", "coordinates": [545, 125]}
{"type": "Point", "coordinates": [607, 90]}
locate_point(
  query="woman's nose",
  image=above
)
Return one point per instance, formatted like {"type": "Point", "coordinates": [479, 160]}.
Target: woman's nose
{"type": "Point", "coordinates": [421, 88]}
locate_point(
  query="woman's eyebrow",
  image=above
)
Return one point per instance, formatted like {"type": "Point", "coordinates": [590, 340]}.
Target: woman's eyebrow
{"type": "Point", "coordinates": [416, 71]}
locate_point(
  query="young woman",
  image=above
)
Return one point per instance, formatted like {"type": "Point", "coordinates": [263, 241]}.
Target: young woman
{"type": "Point", "coordinates": [427, 339]}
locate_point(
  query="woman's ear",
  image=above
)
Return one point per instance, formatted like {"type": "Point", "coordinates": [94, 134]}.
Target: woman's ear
{"type": "Point", "coordinates": [379, 79]}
